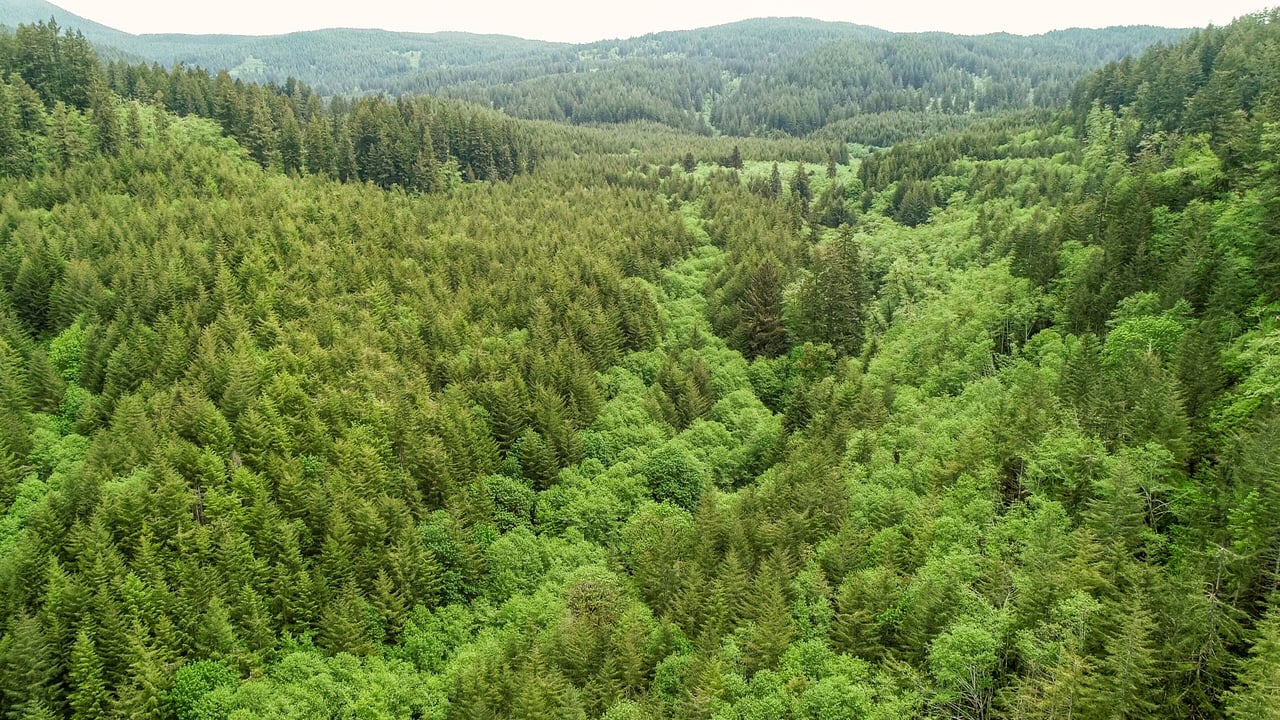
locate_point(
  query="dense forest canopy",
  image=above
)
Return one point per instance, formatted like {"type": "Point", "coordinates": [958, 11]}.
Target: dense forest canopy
{"type": "Point", "coordinates": [795, 76]}
{"type": "Point", "coordinates": [404, 408]}
{"type": "Point", "coordinates": [757, 77]}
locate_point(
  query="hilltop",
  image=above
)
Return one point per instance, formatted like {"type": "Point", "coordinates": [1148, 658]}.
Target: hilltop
{"type": "Point", "coordinates": [756, 77]}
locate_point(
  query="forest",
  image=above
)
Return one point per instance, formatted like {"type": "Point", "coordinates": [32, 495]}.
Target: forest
{"type": "Point", "coordinates": [775, 76]}
{"type": "Point", "coordinates": [402, 407]}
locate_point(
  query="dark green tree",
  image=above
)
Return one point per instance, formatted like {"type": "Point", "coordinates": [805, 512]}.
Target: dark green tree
{"type": "Point", "coordinates": [773, 189]}
{"type": "Point", "coordinates": [833, 300]}
{"type": "Point", "coordinates": [735, 159]}
{"type": "Point", "coordinates": [89, 698]}
{"type": "Point", "coordinates": [762, 312]}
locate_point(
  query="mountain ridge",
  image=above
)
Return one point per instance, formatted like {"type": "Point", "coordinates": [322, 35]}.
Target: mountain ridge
{"type": "Point", "coordinates": [759, 76]}
{"type": "Point", "coordinates": [25, 11]}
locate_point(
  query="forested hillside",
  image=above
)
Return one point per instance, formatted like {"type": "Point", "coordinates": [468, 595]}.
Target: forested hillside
{"type": "Point", "coordinates": [794, 76]}
{"type": "Point", "coordinates": [758, 77]}
{"type": "Point", "coordinates": [308, 409]}
{"type": "Point", "coordinates": [338, 61]}
{"type": "Point", "coordinates": [26, 12]}
{"type": "Point", "coordinates": [415, 144]}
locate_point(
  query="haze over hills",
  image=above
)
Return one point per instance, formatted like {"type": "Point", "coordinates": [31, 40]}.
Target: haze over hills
{"type": "Point", "coordinates": [349, 61]}
{"type": "Point", "coordinates": [776, 75]}
{"type": "Point", "coordinates": [13, 12]}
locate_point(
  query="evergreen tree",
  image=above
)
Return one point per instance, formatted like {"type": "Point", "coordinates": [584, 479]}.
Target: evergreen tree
{"type": "Point", "coordinates": [773, 190]}
{"type": "Point", "coordinates": [762, 312]}
{"type": "Point", "coordinates": [146, 696]}
{"type": "Point", "coordinates": [14, 156]}
{"type": "Point", "coordinates": [133, 126]}
{"type": "Point", "coordinates": [1257, 694]}
{"type": "Point", "coordinates": [833, 300]}
{"type": "Point", "coordinates": [735, 159]}
{"type": "Point", "coordinates": [800, 185]}
{"type": "Point", "coordinates": [345, 624]}
{"type": "Point", "coordinates": [318, 147]}
{"type": "Point", "coordinates": [106, 121]}
{"type": "Point", "coordinates": [88, 693]}
{"type": "Point", "coordinates": [30, 668]}
{"type": "Point", "coordinates": [537, 459]}
{"type": "Point", "coordinates": [291, 143]}
{"type": "Point", "coordinates": [773, 629]}
{"type": "Point", "coordinates": [260, 134]}
{"type": "Point", "coordinates": [1129, 675]}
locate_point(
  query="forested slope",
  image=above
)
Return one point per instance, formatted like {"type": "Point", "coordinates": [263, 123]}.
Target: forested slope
{"type": "Point", "coordinates": [339, 60]}
{"type": "Point", "coordinates": [415, 144]}
{"type": "Point", "coordinates": [980, 426]}
{"type": "Point", "coordinates": [757, 77]}
{"type": "Point", "coordinates": [795, 76]}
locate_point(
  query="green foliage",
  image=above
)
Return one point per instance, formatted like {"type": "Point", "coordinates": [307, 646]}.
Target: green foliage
{"type": "Point", "coordinates": [539, 445]}
{"type": "Point", "coordinates": [762, 311]}
{"type": "Point", "coordinates": [305, 684]}
{"type": "Point", "coordinates": [830, 305]}
{"type": "Point", "coordinates": [962, 660]}
{"type": "Point", "coordinates": [726, 77]}
{"type": "Point", "coordinates": [1255, 697]}
{"type": "Point", "coordinates": [512, 501]}
{"type": "Point", "coordinates": [674, 476]}
{"type": "Point", "coordinates": [194, 682]}
{"type": "Point", "coordinates": [89, 697]}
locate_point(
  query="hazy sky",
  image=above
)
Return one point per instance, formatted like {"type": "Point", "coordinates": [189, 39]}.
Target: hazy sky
{"type": "Point", "coordinates": [584, 20]}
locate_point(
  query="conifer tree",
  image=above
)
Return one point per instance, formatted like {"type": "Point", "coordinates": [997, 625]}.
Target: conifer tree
{"type": "Point", "coordinates": [146, 695]}
{"type": "Point", "coordinates": [537, 459]}
{"type": "Point", "coordinates": [38, 272]}
{"type": "Point", "coordinates": [38, 710]}
{"type": "Point", "coordinates": [1129, 675]}
{"type": "Point", "coordinates": [318, 147]}
{"type": "Point", "coordinates": [762, 312]}
{"type": "Point", "coordinates": [106, 120]}
{"type": "Point", "coordinates": [1257, 693]}
{"type": "Point", "coordinates": [68, 145]}
{"type": "Point", "coordinates": [29, 666]}
{"type": "Point", "coordinates": [833, 300]}
{"type": "Point", "coordinates": [133, 126]}
{"type": "Point", "coordinates": [735, 159]}
{"type": "Point", "coordinates": [88, 692]}
{"type": "Point", "coordinates": [14, 158]}
{"type": "Point", "coordinates": [290, 142]}
{"type": "Point", "coordinates": [800, 185]}
{"type": "Point", "coordinates": [344, 624]}
{"type": "Point", "coordinates": [215, 636]}
{"type": "Point", "coordinates": [914, 202]}
{"type": "Point", "coordinates": [773, 189]}
{"type": "Point", "coordinates": [772, 630]}
{"type": "Point", "coordinates": [260, 135]}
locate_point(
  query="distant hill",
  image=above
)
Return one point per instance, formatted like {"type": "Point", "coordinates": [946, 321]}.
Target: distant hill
{"type": "Point", "coordinates": [791, 75]}
{"type": "Point", "coordinates": [339, 61]}
{"type": "Point", "coordinates": [13, 12]}
{"type": "Point", "coordinates": [794, 75]}
{"type": "Point", "coordinates": [335, 62]}
{"type": "Point", "coordinates": [756, 77]}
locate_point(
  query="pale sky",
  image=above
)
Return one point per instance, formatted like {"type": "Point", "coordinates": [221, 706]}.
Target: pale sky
{"type": "Point", "coordinates": [587, 20]}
